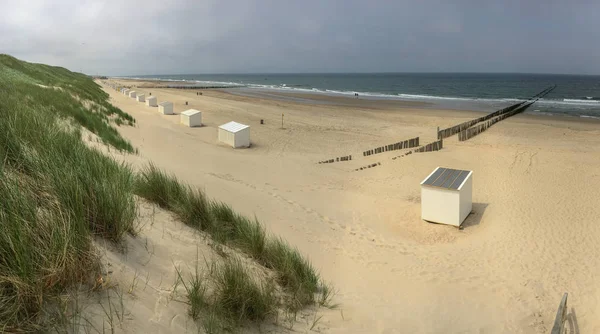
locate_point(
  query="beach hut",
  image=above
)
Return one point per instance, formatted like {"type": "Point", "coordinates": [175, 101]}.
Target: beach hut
{"type": "Point", "coordinates": [165, 108]}
{"type": "Point", "coordinates": [141, 98]}
{"type": "Point", "coordinates": [151, 101]}
{"type": "Point", "coordinates": [132, 94]}
{"type": "Point", "coordinates": [126, 91]}
{"type": "Point", "coordinates": [191, 117]}
{"type": "Point", "coordinates": [446, 196]}
{"type": "Point", "coordinates": [235, 134]}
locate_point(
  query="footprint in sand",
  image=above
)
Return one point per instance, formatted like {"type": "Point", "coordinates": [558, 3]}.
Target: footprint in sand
{"type": "Point", "coordinates": [332, 224]}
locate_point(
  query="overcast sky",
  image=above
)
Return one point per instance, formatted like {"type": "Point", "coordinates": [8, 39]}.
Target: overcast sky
{"type": "Point", "coordinates": [130, 37]}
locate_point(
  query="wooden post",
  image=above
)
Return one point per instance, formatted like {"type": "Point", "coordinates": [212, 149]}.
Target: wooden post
{"type": "Point", "coordinates": [282, 120]}
{"type": "Point", "coordinates": [561, 316]}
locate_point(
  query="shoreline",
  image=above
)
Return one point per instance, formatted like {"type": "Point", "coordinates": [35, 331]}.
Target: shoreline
{"type": "Point", "coordinates": [366, 102]}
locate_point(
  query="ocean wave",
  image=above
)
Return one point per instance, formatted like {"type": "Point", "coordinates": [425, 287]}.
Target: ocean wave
{"type": "Point", "coordinates": [422, 97]}
{"type": "Point", "coordinates": [588, 116]}
{"type": "Point", "coordinates": [457, 98]}
{"type": "Point", "coordinates": [203, 82]}
{"type": "Point", "coordinates": [221, 83]}
{"type": "Point", "coordinates": [589, 101]}
{"type": "Point", "coordinates": [584, 102]}
{"type": "Point", "coordinates": [573, 103]}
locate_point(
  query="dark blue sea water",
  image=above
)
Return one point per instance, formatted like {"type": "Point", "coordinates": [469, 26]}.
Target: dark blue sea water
{"type": "Point", "coordinates": [575, 95]}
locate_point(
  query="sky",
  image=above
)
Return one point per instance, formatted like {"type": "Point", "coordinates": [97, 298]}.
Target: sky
{"type": "Point", "coordinates": [287, 36]}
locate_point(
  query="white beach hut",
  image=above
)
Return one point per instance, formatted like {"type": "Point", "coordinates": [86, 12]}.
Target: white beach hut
{"type": "Point", "coordinates": [165, 108]}
{"type": "Point", "coordinates": [132, 94]}
{"type": "Point", "coordinates": [235, 134]}
{"type": "Point", "coordinates": [191, 117]}
{"type": "Point", "coordinates": [126, 91]}
{"type": "Point", "coordinates": [447, 196]}
{"type": "Point", "coordinates": [141, 98]}
{"type": "Point", "coordinates": [151, 101]}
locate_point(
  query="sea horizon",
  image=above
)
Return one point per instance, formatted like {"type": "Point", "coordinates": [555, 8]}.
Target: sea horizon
{"type": "Point", "coordinates": [575, 95]}
{"type": "Point", "coordinates": [347, 73]}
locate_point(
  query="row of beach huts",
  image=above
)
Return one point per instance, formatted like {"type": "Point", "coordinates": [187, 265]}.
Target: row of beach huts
{"type": "Point", "coordinates": [235, 134]}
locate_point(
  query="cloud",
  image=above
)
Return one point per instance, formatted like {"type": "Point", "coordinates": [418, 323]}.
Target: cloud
{"type": "Point", "coordinates": [210, 36]}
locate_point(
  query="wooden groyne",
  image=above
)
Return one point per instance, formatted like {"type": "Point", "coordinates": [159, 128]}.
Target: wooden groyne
{"type": "Point", "coordinates": [475, 130]}
{"type": "Point", "coordinates": [369, 166]}
{"type": "Point", "coordinates": [403, 155]}
{"type": "Point", "coordinates": [409, 143]}
{"type": "Point", "coordinates": [445, 133]}
{"type": "Point", "coordinates": [435, 146]}
{"type": "Point", "coordinates": [338, 159]}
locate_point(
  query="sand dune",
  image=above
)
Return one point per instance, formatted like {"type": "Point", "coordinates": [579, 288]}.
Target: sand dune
{"type": "Point", "coordinates": [533, 234]}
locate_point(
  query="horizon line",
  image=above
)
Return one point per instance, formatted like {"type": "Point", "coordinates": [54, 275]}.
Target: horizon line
{"type": "Point", "coordinates": [347, 73]}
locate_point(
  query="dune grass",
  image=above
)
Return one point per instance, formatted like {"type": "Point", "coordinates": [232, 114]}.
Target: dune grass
{"type": "Point", "coordinates": [21, 81]}
{"type": "Point", "coordinates": [56, 193]}
{"type": "Point", "coordinates": [228, 295]}
{"type": "Point", "coordinates": [42, 251]}
{"type": "Point", "coordinates": [294, 273]}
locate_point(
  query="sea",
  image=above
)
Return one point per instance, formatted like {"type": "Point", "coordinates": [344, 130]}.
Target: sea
{"type": "Point", "coordinates": [575, 95]}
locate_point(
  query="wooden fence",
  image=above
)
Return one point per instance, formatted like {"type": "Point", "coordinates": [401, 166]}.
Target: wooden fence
{"type": "Point", "coordinates": [338, 159]}
{"type": "Point", "coordinates": [409, 143]}
{"type": "Point", "coordinates": [474, 131]}
{"type": "Point", "coordinates": [369, 166]}
{"type": "Point", "coordinates": [561, 316]}
{"type": "Point", "coordinates": [435, 146]}
{"type": "Point", "coordinates": [403, 155]}
{"type": "Point", "coordinates": [445, 133]}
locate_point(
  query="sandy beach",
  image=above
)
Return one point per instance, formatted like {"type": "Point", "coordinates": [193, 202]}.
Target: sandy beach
{"type": "Point", "coordinates": [533, 234]}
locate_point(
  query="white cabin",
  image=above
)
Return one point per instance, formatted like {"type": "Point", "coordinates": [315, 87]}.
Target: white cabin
{"type": "Point", "coordinates": [191, 117]}
{"type": "Point", "coordinates": [235, 134]}
{"type": "Point", "coordinates": [447, 196]}
{"type": "Point", "coordinates": [165, 108]}
{"type": "Point", "coordinates": [151, 101]}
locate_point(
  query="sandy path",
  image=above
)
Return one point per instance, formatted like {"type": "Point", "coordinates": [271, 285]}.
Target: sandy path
{"type": "Point", "coordinates": [532, 237]}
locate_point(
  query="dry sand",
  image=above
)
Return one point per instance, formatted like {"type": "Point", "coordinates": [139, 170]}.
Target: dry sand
{"type": "Point", "coordinates": [534, 233]}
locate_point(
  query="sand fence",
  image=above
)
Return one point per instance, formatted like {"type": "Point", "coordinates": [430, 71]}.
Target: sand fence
{"type": "Point", "coordinates": [409, 143]}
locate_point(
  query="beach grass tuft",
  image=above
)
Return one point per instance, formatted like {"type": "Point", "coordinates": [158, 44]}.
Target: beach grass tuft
{"type": "Point", "coordinates": [295, 274]}
{"type": "Point", "coordinates": [228, 295]}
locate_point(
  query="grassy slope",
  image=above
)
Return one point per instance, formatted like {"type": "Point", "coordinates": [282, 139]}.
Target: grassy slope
{"type": "Point", "coordinates": [65, 94]}
{"type": "Point", "coordinates": [56, 193]}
